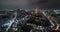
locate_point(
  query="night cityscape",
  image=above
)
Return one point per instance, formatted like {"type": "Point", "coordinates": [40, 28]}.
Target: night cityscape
{"type": "Point", "coordinates": [29, 16]}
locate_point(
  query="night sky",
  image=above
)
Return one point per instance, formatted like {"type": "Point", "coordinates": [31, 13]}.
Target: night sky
{"type": "Point", "coordinates": [49, 4]}
{"type": "Point", "coordinates": [43, 4]}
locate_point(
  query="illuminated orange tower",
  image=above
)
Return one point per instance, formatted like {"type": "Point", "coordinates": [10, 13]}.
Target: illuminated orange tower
{"type": "Point", "coordinates": [36, 12]}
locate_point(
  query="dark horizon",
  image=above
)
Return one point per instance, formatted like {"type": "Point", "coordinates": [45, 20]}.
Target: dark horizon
{"type": "Point", "coordinates": [42, 4]}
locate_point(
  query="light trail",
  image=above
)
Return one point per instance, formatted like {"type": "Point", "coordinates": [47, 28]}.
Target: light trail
{"type": "Point", "coordinates": [48, 18]}
{"type": "Point", "coordinates": [52, 19]}
{"type": "Point", "coordinates": [12, 21]}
